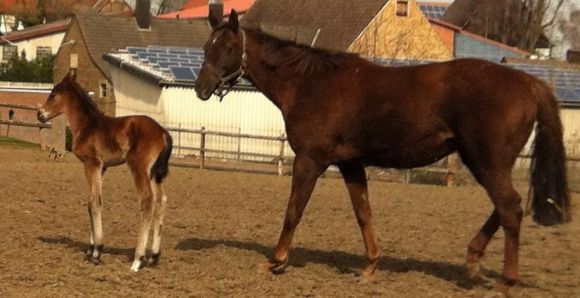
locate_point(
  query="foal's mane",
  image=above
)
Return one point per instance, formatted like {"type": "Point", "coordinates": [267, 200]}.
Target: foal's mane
{"type": "Point", "coordinates": [86, 104]}
{"type": "Point", "coordinates": [302, 58]}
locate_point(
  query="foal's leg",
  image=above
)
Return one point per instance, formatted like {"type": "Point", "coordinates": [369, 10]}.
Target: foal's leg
{"type": "Point", "coordinates": [93, 172]}
{"type": "Point", "coordinates": [159, 214]}
{"type": "Point", "coordinates": [143, 184]}
{"type": "Point", "coordinates": [304, 175]}
{"type": "Point", "coordinates": [355, 178]}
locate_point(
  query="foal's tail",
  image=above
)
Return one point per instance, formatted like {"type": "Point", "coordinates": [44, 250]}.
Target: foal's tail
{"type": "Point", "coordinates": [160, 168]}
{"type": "Point", "coordinates": [549, 194]}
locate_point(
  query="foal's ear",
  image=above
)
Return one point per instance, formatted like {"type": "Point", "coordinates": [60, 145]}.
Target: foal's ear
{"type": "Point", "coordinates": [214, 21]}
{"type": "Point", "coordinates": [234, 20]}
{"type": "Point", "coordinates": [73, 76]}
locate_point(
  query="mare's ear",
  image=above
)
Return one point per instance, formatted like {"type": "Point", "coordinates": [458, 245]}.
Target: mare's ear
{"type": "Point", "coordinates": [234, 23]}
{"type": "Point", "coordinates": [214, 21]}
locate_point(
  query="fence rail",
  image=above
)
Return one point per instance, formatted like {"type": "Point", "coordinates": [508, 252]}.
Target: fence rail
{"type": "Point", "coordinates": [202, 149]}
{"type": "Point", "coordinates": [40, 126]}
{"type": "Point", "coordinates": [281, 158]}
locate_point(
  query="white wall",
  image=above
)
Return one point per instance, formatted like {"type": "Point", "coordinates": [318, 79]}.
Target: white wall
{"type": "Point", "coordinates": [246, 112]}
{"type": "Point", "coordinates": [53, 41]}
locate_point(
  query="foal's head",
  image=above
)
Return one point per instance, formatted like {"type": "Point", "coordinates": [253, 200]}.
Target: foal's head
{"type": "Point", "coordinates": [223, 56]}
{"type": "Point", "coordinates": [57, 99]}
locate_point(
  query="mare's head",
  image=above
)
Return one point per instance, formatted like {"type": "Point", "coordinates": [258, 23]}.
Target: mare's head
{"type": "Point", "coordinates": [57, 99]}
{"type": "Point", "coordinates": [223, 56]}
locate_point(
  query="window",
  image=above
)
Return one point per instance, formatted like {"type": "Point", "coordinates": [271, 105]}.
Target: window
{"type": "Point", "coordinates": [8, 52]}
{"type": "Point", "coordinates": [402, 8]}
{"type": "Point", "coordinates": [43, 52]}
{"type": "Point", "coordinates": [103, 90]}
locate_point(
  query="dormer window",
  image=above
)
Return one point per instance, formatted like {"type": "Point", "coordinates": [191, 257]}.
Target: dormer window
{"type": "Point", "coordinates": [402, 8]}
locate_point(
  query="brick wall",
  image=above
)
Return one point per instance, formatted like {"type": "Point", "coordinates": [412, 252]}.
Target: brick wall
{"type": "Point", "coordinates": [26, 94]}
{"type": "Point", "coordinates": [88, 74]}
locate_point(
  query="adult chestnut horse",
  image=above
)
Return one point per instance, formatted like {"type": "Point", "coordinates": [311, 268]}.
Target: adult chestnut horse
{"type": "Point", "coordinates": [100, 142]}
{"type": "Point", "coordinates": [342, 110]}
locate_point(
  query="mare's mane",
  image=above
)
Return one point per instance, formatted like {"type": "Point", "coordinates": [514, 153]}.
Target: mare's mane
{"type": "Point", "coordinates": [302, 58]}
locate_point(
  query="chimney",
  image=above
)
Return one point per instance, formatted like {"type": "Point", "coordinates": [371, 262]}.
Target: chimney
{"type": "Point", "coordinates": [217, 7]}
{"type": "Point", "coordinates": [573, 56]}
{"type": "Point", "coordinates": [143, 13]}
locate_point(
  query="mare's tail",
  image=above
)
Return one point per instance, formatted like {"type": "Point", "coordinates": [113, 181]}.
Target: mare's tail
{"type": "Point", "coordinates": [549, 194]}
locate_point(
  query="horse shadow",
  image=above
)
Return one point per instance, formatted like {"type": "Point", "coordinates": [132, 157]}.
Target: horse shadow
{"type": "Point", "coordinates": [347, 263]}
{"type": "Point", "coordinates": [83, 246]}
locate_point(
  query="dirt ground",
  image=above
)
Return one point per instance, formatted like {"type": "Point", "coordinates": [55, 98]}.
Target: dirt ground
{"type": "Point", "coordinates": [221, 225]}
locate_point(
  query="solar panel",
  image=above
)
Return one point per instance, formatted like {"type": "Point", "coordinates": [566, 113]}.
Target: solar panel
{"type": "Point", "coordinates": [156, 50]}
{"type": "Point", "coordinates": [182, 73]}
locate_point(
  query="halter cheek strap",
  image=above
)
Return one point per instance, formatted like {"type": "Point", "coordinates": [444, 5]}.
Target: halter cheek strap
{"type": "Point", "coordinates": [225, 86]}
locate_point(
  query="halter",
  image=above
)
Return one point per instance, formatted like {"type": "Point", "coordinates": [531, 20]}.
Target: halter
{"type": "Point", "coordinates": [225, 84]}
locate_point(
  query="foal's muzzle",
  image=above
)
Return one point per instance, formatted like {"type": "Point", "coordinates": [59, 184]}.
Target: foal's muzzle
{"type": "Point", "coordinates": [40, 117]}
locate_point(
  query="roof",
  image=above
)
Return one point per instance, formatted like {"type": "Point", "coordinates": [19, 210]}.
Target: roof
{"type": "Point", "coordinates": [181, 66]}
{"type": "Point", "coordinates": [336, 23]}
{"type": "Point", "coordinates": [565, 80]}
{"type": "Point", "coordinates": [162, 65]}
{"type": "Point", "coordinates": [36, 31]}
{"type": "Point", "coordinates": [203, 10]}
{"type": "Point", "coordinates": [434, 10]}
{"type": "Point", "coordinates": [102, 34]}
{"type": "Point", "coordinates": [459, 30]}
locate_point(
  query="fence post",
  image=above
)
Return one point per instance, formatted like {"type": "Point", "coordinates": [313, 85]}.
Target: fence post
{"type": "Point", "coordinates": [179, 141]}
{"type": "Point", "coordinates": [239, 144]}
{"type": "Point", "coordinates": [281, 157]}
{"type": "Point", "coordinates": [202, 149]}
{"type": "Point", "coordinates": [42, 138]}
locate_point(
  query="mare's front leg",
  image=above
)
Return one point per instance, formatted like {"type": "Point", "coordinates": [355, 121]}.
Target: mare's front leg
{"type": "Point", "coordinates": [305, 173]}
{"type": "Point", "coordinates": [354, 176]}
{"type": "Point", "coordinates": [93, 172]}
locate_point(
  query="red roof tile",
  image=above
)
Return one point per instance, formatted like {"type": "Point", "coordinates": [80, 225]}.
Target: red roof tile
{"type": "Point", "coordinates": [203, 11]}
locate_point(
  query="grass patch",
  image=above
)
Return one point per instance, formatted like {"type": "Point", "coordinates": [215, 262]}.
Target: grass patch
{"type": "Point", "coordinates": [8, 142]}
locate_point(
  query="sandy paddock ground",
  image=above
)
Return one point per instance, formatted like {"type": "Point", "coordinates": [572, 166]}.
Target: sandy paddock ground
{"type": "Point", "coordinates": [221, 225]}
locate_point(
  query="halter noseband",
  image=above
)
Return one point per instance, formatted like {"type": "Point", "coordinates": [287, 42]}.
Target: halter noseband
{"type": "Point", "coordinates": [225, 86]}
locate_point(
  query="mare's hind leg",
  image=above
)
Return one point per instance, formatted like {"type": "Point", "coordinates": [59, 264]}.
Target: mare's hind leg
{"type": "Point", "coordinates": [507, 214]}
{"type": "Point", "coordinates": [143, 183]}
{"type": "Point", "coordinates": [355, 178]}
{"type": "Point", "coordinates": [93, 172]}
{"type": "Point", "coordinates": [305, 173]}
{"type": "Point", "coordinates": [159, 214]}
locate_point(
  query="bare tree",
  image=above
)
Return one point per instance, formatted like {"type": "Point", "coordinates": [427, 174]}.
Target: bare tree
{"type": "Point", "coordinates": [518, 23]}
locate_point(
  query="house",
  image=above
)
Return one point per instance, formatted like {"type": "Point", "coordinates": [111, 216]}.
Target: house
{"type": "Point", "coordinates": [464, 44]}
{"type": "Point", "coordinates": [90, 36]}
{"type": "Point", "coordinates": [200, 9]}
{"type": "Point", "coordinates": [158, 81]}
{"type": "Point", "coordinates": [46, 39]}
{"type": "Point", "coordinates": [375, 28]}
{"type": "Point", "coordinates": [36, 42]}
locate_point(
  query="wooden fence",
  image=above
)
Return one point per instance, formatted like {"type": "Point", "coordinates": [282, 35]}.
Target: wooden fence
{"type": "Point", "coordinates": [446, 168]}
{"type": "Point", "coordinates": [40, 126]}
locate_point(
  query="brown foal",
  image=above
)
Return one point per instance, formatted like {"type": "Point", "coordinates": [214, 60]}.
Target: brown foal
{"type": "Point", "coordinates": [99, 142]}
{"type": "Point", "coordinates": [344, 110]}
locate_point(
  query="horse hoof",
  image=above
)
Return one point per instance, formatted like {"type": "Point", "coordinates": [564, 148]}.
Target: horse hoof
{"type": "Point", "coordinates": [278, 268]}
{"type": "Point", "coordinates": [499, 290]}
{"type": "Point", "coordinates": [94, 261]}
{"type": "Point", "coordinates": [90, 250]}
{"type": "Point", "coordinates": [370, 269]}
{"type": "Point", "coordinates": [154, 259]}
{"type": "Point", "coordinates": [473, 270]}
{"type": "Point", "coordinates": [138, 264]}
